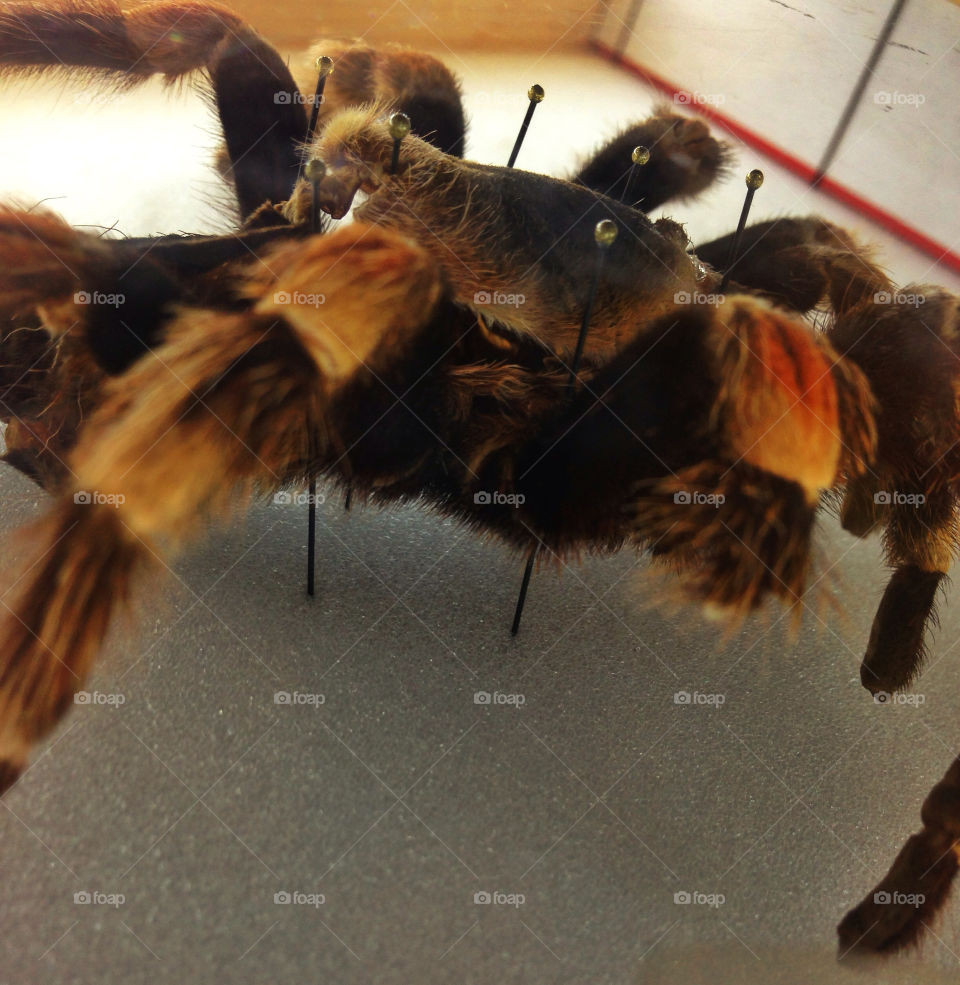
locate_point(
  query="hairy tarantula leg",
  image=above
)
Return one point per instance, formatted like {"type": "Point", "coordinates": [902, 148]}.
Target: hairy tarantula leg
{"type": "Point", "coordinates": [896, 648]}
{"type": "Point", "coordinates": [174, 38]}
{"type": "Point", "coordinates": [684, 160]}
{"type": "Point", "coordinates": [756, 417]}
{"type": "Point", "coordinates": [919, 537]}
{"type": "Point", "coordinates": [911, 489]}
{"type": "Point", "coordinates": [799, 263]}
{"type": "Point", "coordinates": [895, 914]}
{"type": "Point", "coordinates": [231, 402]}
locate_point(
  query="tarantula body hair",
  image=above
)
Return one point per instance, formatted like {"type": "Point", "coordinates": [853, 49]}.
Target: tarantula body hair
{"type": "Point", "coordinates": [537, 281]}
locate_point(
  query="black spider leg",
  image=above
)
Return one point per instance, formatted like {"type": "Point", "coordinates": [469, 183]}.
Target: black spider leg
{"type": "Point", "coordinates": [604, 233]}
{"type": "Point", "coordinates": [263, 119]}
{"type": "Point", "coordinates": [535, 94]}
{"type": "Point", "coordinates": [754, 181]}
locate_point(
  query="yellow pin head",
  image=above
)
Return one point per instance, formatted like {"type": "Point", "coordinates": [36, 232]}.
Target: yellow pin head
{"type": "Point", "coordinates": [640, 155]}
{"type": "Point", "coordinates": [755, 179]}
{"type": "Point", "coordinates": [324, 66]}
{"type": "Point", "coordinates": [535, 93]}
{"type": "Point", "coordinates": [315, 169]}
{"type": "Point", "coordinates": [399, 126]}
{"type": "Point", "coordinates": [605, 232]}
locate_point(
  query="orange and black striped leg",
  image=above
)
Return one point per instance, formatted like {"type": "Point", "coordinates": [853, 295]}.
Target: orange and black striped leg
{"type": "Point", "coordinates": [232, 404]}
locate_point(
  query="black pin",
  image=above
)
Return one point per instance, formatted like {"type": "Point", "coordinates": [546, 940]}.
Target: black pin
{"type": "Point", "coordinates": [324, 68]}
{"type": "Point", "coordinates": [315, 170]}
{"type": "Point", "coordinates": [638, 158]}
{"type": "Point", "coordinates": [399, 128]}
{"type": "Point", "coordinates": [604, 233]}
{"type": "Point", "coordinates": [535, 94]}
{"type": "Point", "coordinates": [754, 181]}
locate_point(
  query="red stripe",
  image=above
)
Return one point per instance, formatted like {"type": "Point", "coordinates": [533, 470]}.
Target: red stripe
{"type": "Point", "coordinates": [942, 254]}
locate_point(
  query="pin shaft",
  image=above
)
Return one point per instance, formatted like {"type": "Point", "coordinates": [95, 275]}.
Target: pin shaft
{"type": "Point", "coordinates": [535, 95]}
{"type": "Point", "coordinates": [754, 180]}
{"type": "Point", "coordinates": [585, 323]}
{"type": "Point", "coordinates": [317, 101]}
{"type": "Point", "coordinates": [311, 537]}
{"type": "Point", "coordinates": [527, 572]}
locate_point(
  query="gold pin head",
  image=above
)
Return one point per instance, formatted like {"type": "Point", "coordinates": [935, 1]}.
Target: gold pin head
{"type": "Point", "coordinates": [324, 66]}
{"type": "Point", "coordinates": [755, 179]}
{"type": "Point", "coordinates": [535, 93]}
{"type": "Point", "coordinates": [640, 155]}
{"type": "Point", "coordinates": [315, 169]}
{"type": "Point", "coordinates": [399, 126]}
{"type": "Point", "coordinates": [605, 232]}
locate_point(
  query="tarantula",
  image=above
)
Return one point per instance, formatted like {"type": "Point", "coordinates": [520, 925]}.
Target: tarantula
{"type": "Point", "coordinates": [384, 356]}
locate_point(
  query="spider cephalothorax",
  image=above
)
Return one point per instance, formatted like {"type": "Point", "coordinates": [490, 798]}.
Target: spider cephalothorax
{"type": "Point", "coordinates": [705, 433]}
